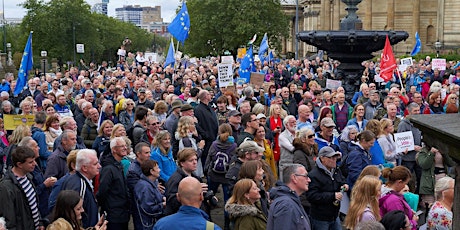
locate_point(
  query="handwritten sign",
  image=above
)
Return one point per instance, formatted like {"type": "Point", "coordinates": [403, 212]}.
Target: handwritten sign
{"type": "Point", "coordinates": [438, 63]}
{"type": "Point", "coordinates": [13, 121]}
{"type": "Point", "coordinates": [333, 84]}
{"type": "Point", "coordinates": [257, 79]}
{"type": "Point", "coordinates": [225, 73]}
{"type": "Point", "coordinates": [404, 140]}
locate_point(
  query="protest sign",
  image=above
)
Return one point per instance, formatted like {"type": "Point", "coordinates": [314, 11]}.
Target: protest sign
{"type": "Point", "coordinates": [225, 73]}
{"type": "Point", "coordinates": [405, 62]}
{"type": "Point", "coordinates": [13, 121]}
{"type": "Point", "coordinates": [227, 60]}
{"type": "Point", "coordinates": [152, 57]}
{"type": "Point", "coordinates": [404, 140]}
{"type": "Point", "coordinates": [333, 84]}
{"type": "Point", "coordinates": [257, 79]}
{"type": "Point", "coordinates": [438, 63]}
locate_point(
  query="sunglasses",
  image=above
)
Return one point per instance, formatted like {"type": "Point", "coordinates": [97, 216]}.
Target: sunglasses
{"type": "Point", "coordinates": [311, 136]}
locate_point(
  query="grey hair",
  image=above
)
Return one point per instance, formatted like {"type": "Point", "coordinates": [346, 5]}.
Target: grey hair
{"type": "Point", "coordinates": [412, 106]}
{"type": "Point", "coordinates": [302, 133]}
{"type": "Point", "coordinates": [369, 225]}
{"type": "Point", "coordinates": [346, 133]}
{"type": "Point", "coordinates": [114, 141]}
{"type": "Point", "coordinates": [25, 141]}
{"type": "Point", "coordinates": [289, 170]}
{"type": "Point", "coordinates": [248, 92]}
{"type": "Point", "coordinates": [65, 134]}
{"type": "Point", "coordinates": [286, 119]}
{"type": "Point", "coordinates": [258, 108]}
{"type": "Point", "coordinates": [88, 92]}
{"type": "Point", "coordinates": [85, 104]}
{"type": "Point", "coordinates": [83, 158]}
{"type": "Point", "coordinates": [106, 103]}
{"type": "Point", "coordinates": [442, 185]}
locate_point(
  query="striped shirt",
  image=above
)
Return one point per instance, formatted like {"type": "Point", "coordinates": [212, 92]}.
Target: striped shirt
{"type": "Point", "coordinates": [31, 195]}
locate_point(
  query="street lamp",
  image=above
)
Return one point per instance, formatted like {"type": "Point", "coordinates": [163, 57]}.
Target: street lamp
{"type": "Point", "coordinates": [296, 29]}
{"type": "Point", "coordinates": [43, 54]}
{"type": "Point", "coordinates": [437, 47]}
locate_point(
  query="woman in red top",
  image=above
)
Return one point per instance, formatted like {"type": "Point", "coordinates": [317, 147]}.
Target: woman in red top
{"type": "Point", "coordinates": [275, 124]}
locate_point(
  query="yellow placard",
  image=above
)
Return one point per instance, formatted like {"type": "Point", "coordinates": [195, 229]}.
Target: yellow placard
{"type": "Point", "coordinates": [241, 53]}
{"type": "Point", "coordinates": [13, 121]}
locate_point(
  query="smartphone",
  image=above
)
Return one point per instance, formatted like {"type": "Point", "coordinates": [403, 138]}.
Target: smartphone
{"type": "Point", "coordinates": [419, 212]}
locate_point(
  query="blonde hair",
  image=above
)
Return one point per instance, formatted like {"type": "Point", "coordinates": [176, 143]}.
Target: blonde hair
{"type": "Point", "coordinates": [125, 103]}
{"type": "Point", "coordinates": [20, 132]}
{"type": "Point", "coordinates": [160, 105]}
{"type": "Point", "coordinates": [157, 141]}
{"type": "Point", "coordinates": [225, 130]}
{"type": "Point", "coordinates": [103, 125]}
{"type": "Point", "coordinates": [365, 193]}
{"type": "Point", "coordinates": [183, 126]}
{"type": "Point", "coordinates": [115, 129]}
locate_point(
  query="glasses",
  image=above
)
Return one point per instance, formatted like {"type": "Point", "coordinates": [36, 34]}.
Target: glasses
{"type": "Point", "coordinates": [155, 123]}
{"type": "Point", "coordinates": [454, 98]}
{"type": "Point", "coordinates": [121, 146]}
{"type": "Point", "coordinates": [311, 136]}
{"type": "Point", "coordinates": [130, 104]}
{"type": "Point", "coordinates": [302, 175]}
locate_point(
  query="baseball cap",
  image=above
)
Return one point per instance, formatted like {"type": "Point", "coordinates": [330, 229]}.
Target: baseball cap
{"type": "Point", "coordinates": [141, 90]}
{"type": "Point", "coordinates": [327, 122]}
{"type": "Point", "coordinates": [328, 152]}
{"type": "Point", "coordinates": [261, 115]}
{"type": "Point", "coordinates": [204, 82]}
{"type": "Point", "coordinates": [250, 146]}
{"type": "Point", "coordinates": [233, 113]}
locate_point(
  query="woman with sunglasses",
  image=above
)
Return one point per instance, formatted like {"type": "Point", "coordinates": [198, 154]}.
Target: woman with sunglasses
{"type": "Point", "coordinates": [126, 116]}
{"type": "Point", "coordinates": [305, 148]}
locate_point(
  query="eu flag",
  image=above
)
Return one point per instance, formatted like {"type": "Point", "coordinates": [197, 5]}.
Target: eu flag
{"type": "Point", "coordinates": [27, 63]}
{"type": "Point", "coordinates": [246, 65]}
{"type": "Point", "coordinates": [180, 26]}
{"type": "Point", "coordinates": [170, 57]}
{"type": "Point", "coordinates": [418, 45]}
{"type": "Point", "coordinates": [263, 46]}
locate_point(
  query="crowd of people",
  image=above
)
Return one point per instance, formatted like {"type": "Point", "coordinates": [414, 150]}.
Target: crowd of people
{"type": "Point", "coordinates": [152, 144]}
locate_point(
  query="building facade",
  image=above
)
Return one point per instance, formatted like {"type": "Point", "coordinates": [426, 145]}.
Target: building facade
{"type": "Point", "coordinates": [138, 15]}
{"type": "Point", "coordinates": [433, 20]}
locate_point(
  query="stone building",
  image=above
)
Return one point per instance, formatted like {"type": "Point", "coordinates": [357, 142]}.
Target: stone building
{"type": "Point", "coordinates": [434, 20]}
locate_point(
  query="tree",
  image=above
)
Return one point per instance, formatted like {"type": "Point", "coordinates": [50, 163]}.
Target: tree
{"type": "Point", "coordinates": [218, 25]}
{"type": "Point", "coordinates": [56, 23]}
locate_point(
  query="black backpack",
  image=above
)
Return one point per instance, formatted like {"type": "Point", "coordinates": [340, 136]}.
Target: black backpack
{"type": "Point", "coordinates": [130, 132]}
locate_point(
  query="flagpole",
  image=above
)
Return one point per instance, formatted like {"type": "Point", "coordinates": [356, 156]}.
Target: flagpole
{"type": "Point", "coordinates": [400, 80]}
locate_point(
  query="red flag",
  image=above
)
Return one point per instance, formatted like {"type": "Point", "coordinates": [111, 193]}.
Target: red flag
{"type": "Point", "coordinates": [387, 62]}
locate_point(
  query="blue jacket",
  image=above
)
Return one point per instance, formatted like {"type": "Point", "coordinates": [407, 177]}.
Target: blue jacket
{"type": "Point", "coordinates": [286, 211]}
{"type": "Point", "coordinates": [377, 154]}
{"type": "Point", "coordinates": [166, 163]}
{"type": "Point", "coordinates": [323, 143]}
{"type": "Point", "coordinates": [78, 183]}
{"type": "Point", "coordinates": [39, 136]}
{"type": "Point", "coordinates": [57, 187]}
{"type": "Point", "coordinates": [354, 122]}
{"type": "Point", "coordinates": [188, 217]}
{"type": "Point", "coordinates": [355, 98]}
{"type": "Point", "coordinates": [357, 160]}
{"type": "Point", "coordinates": [43, 192]}
{"type": "Point", "coordinates": [148, 204]}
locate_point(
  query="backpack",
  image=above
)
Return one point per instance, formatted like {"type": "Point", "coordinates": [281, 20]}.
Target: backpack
{"type": "Point", "coordinates": [130, 132]}
{"type": "Point", "coordinates": [221, 160]}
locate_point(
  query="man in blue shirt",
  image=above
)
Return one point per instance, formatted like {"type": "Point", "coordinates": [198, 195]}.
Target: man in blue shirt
{"type": "Point", "coordinates": [190, 216]}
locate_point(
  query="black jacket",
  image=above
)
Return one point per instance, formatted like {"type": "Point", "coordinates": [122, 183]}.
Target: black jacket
{"type": "Point", "coordinates": [14, 203]}
{"type": "Point", "coordinates": [321, 192]}
{"type": "Point", "coordinates": [113, 191]}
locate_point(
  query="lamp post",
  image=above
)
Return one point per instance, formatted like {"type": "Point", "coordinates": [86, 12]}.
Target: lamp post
{"type": "Point", "coordinates": [74, 45]}
{"type": "Point", "coordinates": [43, 54]}
{"type": "Point", "coordinates": [437, 47]}
{"type": "Point", "coordinates": [296, 29]}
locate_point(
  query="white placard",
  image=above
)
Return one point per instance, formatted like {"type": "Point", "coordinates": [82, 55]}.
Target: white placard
{"type": "Point", "coordinates": [121, 52]}
{"type": "Point", "coordinates": [152, 57]}
{"type": "Point", "coordinates": [404, 140]}
{"type": "Point", "coordinates": [80, 48]}
{"type": "Point", "coordinates": [333, 84]}
{"type": "Point", "coordinates": [405, 62]}
{"type": "Point", "coordinates": [227, 59]}
{"type": "Point", "coordinates": [178, 55]}
{"type": "Point", "coordinates": [438, 63]}
{"type": "Point", "coordinates": [225, 74]}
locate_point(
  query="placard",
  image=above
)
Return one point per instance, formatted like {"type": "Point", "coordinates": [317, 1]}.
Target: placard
{"type": "Point", "coordinates": [227, 59]}
{"type": "Point", "coordinates": [257, 79]}
{"type": "Point", "coordinates": [225, 74]}
{"type": "Point", "coordinates": [152, 57]}
{"type": "Point", "coordinates": [80, 48]}
{"type": "Point", "coordinates": [438, 63]}
{"type": "Point", "coordinates": [333, 84]}
{"type": "Point", "coordinates": [404, 140]}
{"type": "Point", "coordinates": [241, 53]}
{"type": "Point", "coordinates": [13, 121]}
{"type": "Point", "coordinates": [405, 62]}
{"type": "Point", "coordinates": [178, 55]}
{"type": "Point", "coordinates": [240, 81]}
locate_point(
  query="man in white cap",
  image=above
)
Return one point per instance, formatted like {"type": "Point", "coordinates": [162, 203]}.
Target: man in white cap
{"type": "Point", "coordinates": [325, 137]}
{"type": "Point", "coordinates": [325, 190]}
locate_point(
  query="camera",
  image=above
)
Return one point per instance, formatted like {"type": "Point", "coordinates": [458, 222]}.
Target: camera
{"type": "Point", "coordinates": [210, 198]}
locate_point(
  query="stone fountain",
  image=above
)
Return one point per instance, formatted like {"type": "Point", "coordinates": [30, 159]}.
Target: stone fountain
{"type": "Point", "coordinates": [351, 45]}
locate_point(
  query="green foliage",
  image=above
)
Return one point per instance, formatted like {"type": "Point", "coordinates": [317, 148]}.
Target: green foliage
{"type": "Point", "coordinates": [217, 25]}
{"type": "Point", "coordinates": [56, 22]}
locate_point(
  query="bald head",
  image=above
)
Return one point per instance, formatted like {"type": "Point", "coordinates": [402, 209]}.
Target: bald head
{"type": "Point", "coordinates": [190, 192]}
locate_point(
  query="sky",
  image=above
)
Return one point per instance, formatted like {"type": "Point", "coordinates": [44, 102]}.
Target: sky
{"type": "Point", "coordinates": [168, 7]}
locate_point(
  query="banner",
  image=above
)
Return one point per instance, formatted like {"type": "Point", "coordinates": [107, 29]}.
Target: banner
{"type": "Point", "coordinates": [404, 140]}
{"type": "Point", "coordinates": [438, 63]}
{"type": "Point", "coordinates": [333, 84]}
{"type": "Point", "coordinates": [387, 62]}
{"type": "Point", "coordinates": [225, 73]}
{"type": "Point", "coordinates": [13, 121]}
